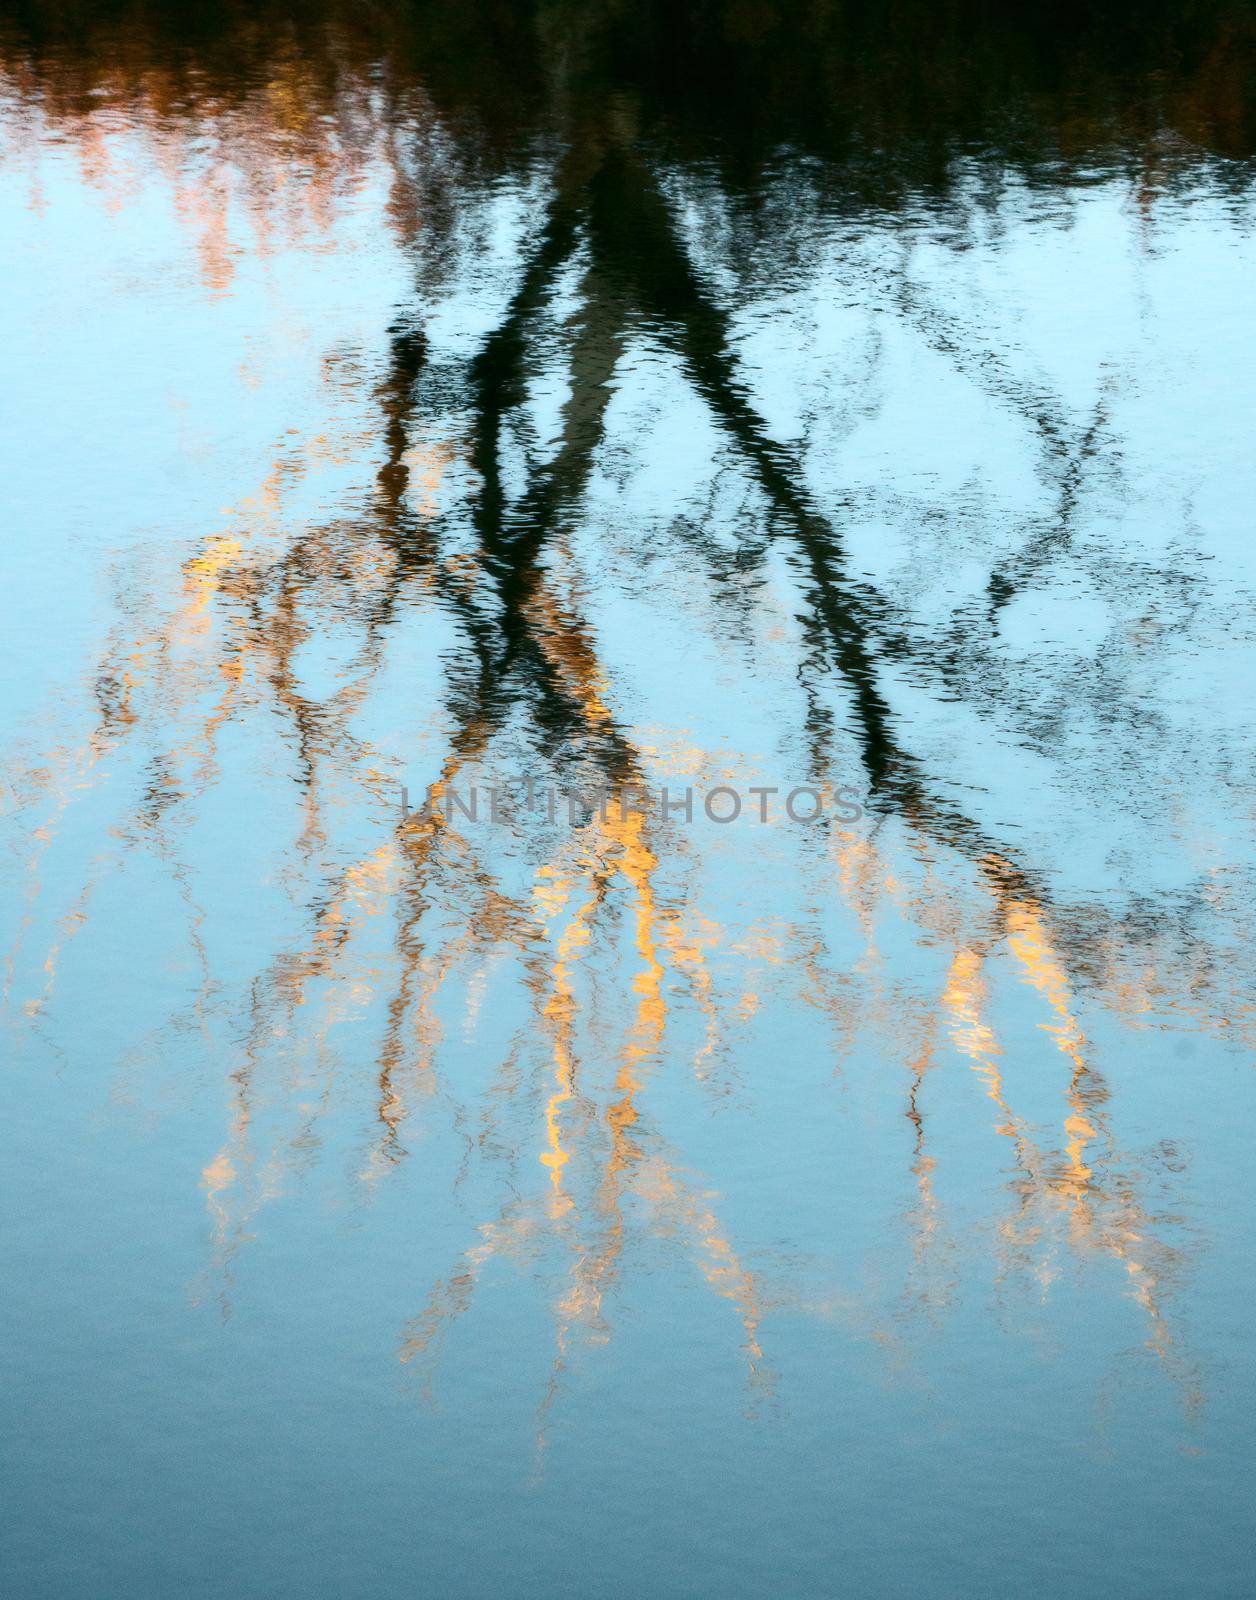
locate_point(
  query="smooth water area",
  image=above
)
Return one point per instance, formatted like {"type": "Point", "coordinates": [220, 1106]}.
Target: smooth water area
{"type": "Point", "coordinates": [627, 799]}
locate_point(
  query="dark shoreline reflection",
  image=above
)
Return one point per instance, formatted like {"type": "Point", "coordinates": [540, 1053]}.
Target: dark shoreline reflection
{"type": "Point", "coordinates": [909, 86]}
{"type": "Point", "coordinates": [677, 187]}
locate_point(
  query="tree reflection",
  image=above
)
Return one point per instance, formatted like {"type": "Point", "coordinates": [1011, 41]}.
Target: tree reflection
{"type": "Point", "coordinates": [603, 940]}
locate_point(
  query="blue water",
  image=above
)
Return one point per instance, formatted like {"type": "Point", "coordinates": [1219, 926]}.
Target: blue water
{"type": "Point", "coordinates": [591, 1196]}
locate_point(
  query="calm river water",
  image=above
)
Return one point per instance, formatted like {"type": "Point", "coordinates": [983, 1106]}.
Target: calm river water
{"type": "Point", "coordinates": [627, 801]}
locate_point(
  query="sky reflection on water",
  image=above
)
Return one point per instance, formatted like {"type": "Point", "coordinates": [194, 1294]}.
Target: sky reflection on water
{"type": "Point", "coordinates": [417, 1202]}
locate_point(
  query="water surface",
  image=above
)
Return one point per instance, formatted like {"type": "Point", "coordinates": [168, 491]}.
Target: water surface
{"type": "Point", "coordinates": [586, 1197]}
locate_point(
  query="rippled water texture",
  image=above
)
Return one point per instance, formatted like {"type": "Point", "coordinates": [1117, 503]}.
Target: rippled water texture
{"type": "Point", "coordinates": [584, 1197]}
